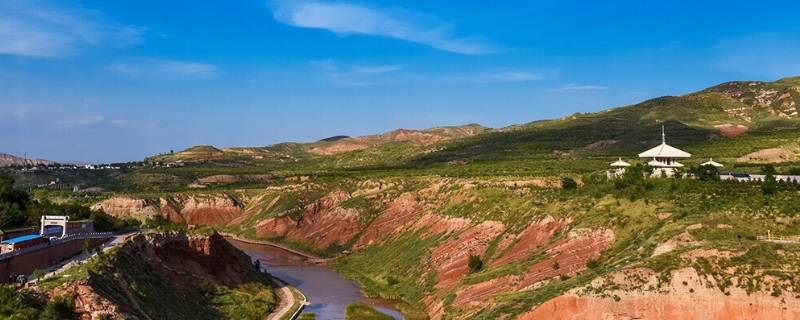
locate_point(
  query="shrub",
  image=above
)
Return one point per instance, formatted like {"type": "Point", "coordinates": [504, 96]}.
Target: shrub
{"type": "Point", "coordinates": [568, 183]}
{"type": "Point", "coordinates": [475, 263]}
{"type": "Point", "coordinates": [592, 263]}
{"type": "Point", "coordinates": [60, 308]}
{"type": "Point", "coordinates": [707, 173]}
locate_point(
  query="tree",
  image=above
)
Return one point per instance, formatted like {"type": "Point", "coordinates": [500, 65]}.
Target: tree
{"type": "Point", "coordinates": [13, 203]}
{"type": "Point", "coordinates": [707, 173]}
{"type": "Point", "coordinates": [475, 263]}
{"type": "Point", "coordinates": [568, 183]}
{"type": "Point", "coordinates": [770, 185]}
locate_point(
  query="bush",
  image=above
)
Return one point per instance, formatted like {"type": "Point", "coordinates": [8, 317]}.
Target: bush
{"type": "Point", "coordinates": [568, 183]}
{"type": "Point", "coordinates": [475, 263]}
{"type": "Point", "coordinates": [60, 308]}
{"type": "Point", "coordinates": [17, 304]}
{"type": "Point", "coordinates": [592, 263]}
{"type": "Point", "coordinates": [707, 173]}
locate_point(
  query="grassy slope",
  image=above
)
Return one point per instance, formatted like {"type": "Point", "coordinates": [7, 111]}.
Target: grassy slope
{"type": "Point", "coordinates": [124, 277]}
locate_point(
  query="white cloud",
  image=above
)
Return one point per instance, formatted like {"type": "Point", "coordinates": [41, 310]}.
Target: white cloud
{"type": "Point", "coordinates": [156, 68]}
{"type": "Point", "coordinates": [769, 55]}
{"type": "Point", "coordinates": [580, 87]}
{"type": "Point", "coordinates": [492, 77]}
{"type": "Point", "coordinates": [38, 29]}
{"type": "Point", "coordinates": [345, 19]}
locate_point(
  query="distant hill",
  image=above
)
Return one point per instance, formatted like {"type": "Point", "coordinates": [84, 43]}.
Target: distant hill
{"type": "Point", "coordinates": [733, 110]}
{"type": "Point", "coordinates": [328, 146]}
{"type": "Point", "coordinates": [744, 109]}
{"type": "Point", "coordinates": [7, 160]}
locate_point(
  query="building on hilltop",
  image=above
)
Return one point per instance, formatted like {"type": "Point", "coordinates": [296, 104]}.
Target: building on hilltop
{"type": "Point", "coordinates": [664, 158]}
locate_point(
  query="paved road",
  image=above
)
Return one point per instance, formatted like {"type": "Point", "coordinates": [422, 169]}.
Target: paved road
{"type": "Point", "coordinates": [287, 301]}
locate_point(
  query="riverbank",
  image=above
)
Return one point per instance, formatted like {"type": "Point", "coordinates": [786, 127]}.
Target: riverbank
{"type": "Point", "coordinates": [328, 292]}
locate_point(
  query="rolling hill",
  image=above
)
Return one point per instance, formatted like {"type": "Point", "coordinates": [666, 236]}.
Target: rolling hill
{"type": "Point", "coordinates": [7, 160]}
{"type": "Point", "coordinates": [729, 120]}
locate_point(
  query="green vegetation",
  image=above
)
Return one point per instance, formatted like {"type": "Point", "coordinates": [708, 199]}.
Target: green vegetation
{"type": "Point", "coordinates": [17, 209]}
{"type": "Point", "coordinates": [362, 311]}
{"type": "Point", "coordinates": [307, 316]}
{"type": "Point", "coordinates": [60, 308]}
{"type": "Point", "coordinates": [252, 301]}
{"type": "Point", "coordinates": [402, 261]}
{"type": "Point", "coordinates": [21, 304]}
{"type": "Point", "coordinates": [475, 263]}
{"type": "Point", "coordinates": [17, 304]}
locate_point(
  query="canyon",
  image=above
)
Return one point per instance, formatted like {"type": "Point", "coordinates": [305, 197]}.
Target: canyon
{"type": "Point", "coordinates": [524, 250]}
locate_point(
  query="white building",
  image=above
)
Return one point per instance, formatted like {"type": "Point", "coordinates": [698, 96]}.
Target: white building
{"type": "Point", "coordinates": [664, 158]}
{"type": "Point", "coordinates": [618, 169]}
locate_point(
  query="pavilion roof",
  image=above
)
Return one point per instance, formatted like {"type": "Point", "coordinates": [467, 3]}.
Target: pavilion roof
{"type": "Point", "coordinates": [664, 151]}
{"type": "Point", "coordinates": [713, 163]}
{"type": "Point", "coordinates": [620, 163]}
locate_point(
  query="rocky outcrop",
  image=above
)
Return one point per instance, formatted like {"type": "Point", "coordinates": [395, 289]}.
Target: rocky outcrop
{"type": "Point", "coordinates": [566, 257]}
{"type": "Point", "coordinates": [210, 209]}
{"type": "Point", "coordinates": [215, 210]}
{"type": "Point", "coordinates": [126, 207]}
{"type": "Point", "coordinates": [322, 224]}
{"type": "Point", "coordinates": [687, 297]}
{"type": "Point", "coordinates": [7, 160]}
{"type": "Point", "coordinates": [537, 234]}
{"type": "Point", "coordinates": [400, 212]}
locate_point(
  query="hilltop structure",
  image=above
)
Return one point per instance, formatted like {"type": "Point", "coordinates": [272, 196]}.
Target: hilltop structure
{"type": "Point", "coordinates": [664, 158]}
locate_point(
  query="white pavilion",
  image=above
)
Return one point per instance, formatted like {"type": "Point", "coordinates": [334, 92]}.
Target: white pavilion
{"type": "Point", "coordinates": [711, 162]}
{"type": "Point", "coordinates": [619, 167]}
{"type": "Point", "coordinates": [664, 158]}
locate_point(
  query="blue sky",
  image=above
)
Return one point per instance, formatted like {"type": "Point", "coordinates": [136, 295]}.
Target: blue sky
{"type": "Point", "coordinates": [100, 81]}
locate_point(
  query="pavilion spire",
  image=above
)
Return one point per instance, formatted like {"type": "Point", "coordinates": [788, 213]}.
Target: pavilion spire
{"type": "Point", "coordinates": [663, 135]}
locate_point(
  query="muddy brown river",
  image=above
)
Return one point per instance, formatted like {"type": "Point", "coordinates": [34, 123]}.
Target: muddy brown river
{"type": "Point", "coordinates": [327, 291]}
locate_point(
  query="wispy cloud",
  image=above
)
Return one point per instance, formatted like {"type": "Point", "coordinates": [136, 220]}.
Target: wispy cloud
{"type": "Point", "coordinates": [770, 55]}
{"type": "Point", "coordinates": [39, 29]}
{"type": "Point", "coordinates": [156, 68]}
{"type": "Point", "coordinates": [580, 87]}
{"type": "Point", "coordinates": [492, 77]}
{"type": "Point", "coordinates": [361, 75]}
{"type": "Point", "coordinates": [345, 19]}
{"type": "Point", "coordinates": [358, 75]}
